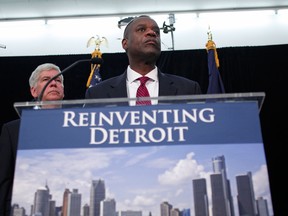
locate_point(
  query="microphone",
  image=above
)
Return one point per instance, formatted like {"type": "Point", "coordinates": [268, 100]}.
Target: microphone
{"type": "Point", "coordinates": [92, 61]}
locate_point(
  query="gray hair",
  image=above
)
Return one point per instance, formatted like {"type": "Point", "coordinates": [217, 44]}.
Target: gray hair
{"type": "Point", "coordinates": [34, 78]}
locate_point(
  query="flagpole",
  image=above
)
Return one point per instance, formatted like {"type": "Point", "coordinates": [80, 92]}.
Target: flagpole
{"type": "Point", "coordinates": [95, 76]}
{"type": "Point", "coordinates": [98, 54]}
{"type": "Point", "coordinates": [215, 85]}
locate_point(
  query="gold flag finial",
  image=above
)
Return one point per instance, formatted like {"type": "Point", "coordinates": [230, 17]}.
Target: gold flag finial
{"type": "Point", "coordinates": [209, 33]}
{"type": "Point", "coordinates": [211, 45]}
{"type": "Point", "coordinates": [97, 41]}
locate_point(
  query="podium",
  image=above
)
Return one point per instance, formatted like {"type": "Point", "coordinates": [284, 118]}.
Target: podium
{"type": "Point", "coordinates": [190, 154]}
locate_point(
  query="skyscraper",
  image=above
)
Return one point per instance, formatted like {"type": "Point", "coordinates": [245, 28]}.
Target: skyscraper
{"type": "Point", "coordinates": [16, 210]}
{"type": "Point", "coordinates": [186, 212]}
{"type": "Point", "coordinates": [165, 209]}
{"type": "Point", "coordinates": [130, 213]}
{"type": "Point", "coordinates": [201, 207]}
{"type": "Point", "coordinates": [52, 207]}
{"type": "Point", "coordinates": [108, 207]}
{"type": "Point", "coordinates": [41, 201]}
{"type": "Point", "coordinates": [74, 203]}
{"type": "Point", "coordinates": [246, 198]}
{"type": "Point", "coordinates": [86, 210]}
{"type": "Point", "coordinates": [219, 199]}
{"type": "Point", "coordinates": [262, 207]}
{"type": "Point", "coordinates": [222, 200]}
{"type": "Point", "coordinates": [65, 202]}
{"type": "Point", "coordinates": [175, 212]}
{"type": "Point", "coordinates": [97, 194]}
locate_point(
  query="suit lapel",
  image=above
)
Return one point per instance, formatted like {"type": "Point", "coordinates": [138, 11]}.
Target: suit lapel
{"type": "Point", "coordinates": [118, 88]}
{"type": "Point", "coordinates": [166, 87]}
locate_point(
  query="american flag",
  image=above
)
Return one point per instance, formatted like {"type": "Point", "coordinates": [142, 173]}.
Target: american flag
{"type": "Point", "coordinates": [95, 76]}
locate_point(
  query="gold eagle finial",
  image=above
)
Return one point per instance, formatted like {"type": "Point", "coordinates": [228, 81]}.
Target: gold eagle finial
{"type": "Point", "coordinates": [97, 41]}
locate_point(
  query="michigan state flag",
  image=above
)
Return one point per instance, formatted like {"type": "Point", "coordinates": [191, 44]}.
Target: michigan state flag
{"type": "Point", "coordinates": [215, 82]}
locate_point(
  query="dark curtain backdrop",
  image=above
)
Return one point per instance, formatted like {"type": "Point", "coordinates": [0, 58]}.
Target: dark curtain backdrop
{"type": "Point", "coordinates": [243, 69]}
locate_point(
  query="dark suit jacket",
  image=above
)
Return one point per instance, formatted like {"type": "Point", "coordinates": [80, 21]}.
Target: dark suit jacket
{"type": "Point", "coordinates": [8, 150]}
{"type": "Point", "coordinates": [169, 85]}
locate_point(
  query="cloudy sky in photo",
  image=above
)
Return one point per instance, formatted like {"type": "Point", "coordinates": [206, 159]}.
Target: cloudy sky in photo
{"type": "Point", "coordinates": [138, 178]}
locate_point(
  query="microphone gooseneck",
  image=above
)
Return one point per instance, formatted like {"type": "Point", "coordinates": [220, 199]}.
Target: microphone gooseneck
{"type": "Point", "coordinates": [92, 60]}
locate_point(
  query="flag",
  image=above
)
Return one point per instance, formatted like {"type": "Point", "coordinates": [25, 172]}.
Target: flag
{"type": "Point", "coordinates": [215, 82]}
{"type": "Point", "coordinates": [95, 76]}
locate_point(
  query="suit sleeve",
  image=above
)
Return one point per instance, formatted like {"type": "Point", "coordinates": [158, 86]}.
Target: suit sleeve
{"type": "Point", "coordinates": [8, 148]}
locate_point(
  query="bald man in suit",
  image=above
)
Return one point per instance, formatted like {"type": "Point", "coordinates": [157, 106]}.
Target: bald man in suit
{"type": "Point", "coordinates": [142, 44]}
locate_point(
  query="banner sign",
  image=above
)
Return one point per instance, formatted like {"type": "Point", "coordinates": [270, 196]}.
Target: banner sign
{"type": "Point", "coordinates": [141, 125]}
{"type": "Point", "coordinates": [191, 159]}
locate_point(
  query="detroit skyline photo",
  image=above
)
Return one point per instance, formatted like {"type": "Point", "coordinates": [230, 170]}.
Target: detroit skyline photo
{"type": "Point", "coordinates": [138, 178]}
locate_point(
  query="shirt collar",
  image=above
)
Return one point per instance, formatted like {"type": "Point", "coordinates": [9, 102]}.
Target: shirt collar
{"type": "Point", "coordinates": [133, 75]}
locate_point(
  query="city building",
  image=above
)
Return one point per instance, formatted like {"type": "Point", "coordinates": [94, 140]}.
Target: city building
{"type": "Point", "coordinates": [97, 194]}
{"type": "Point", "coordinates": [246, 198]}
{"type": "Point", "coordinates": [165, 209]}
{"type": "Point", "coordinates": [222, 200]}
{"type": "Point", "coordinates": [201, 206]}
{"type": "Point", "coordinates": [74, 203]}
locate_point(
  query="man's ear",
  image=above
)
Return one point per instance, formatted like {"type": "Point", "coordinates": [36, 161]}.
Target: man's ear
{"type": "Point", "coordinates": [33, 92]}
{"type": "Point", "coordinates": [124, 43]}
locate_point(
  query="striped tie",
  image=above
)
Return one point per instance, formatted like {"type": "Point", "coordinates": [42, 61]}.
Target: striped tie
{"type": "Point", "coordinates": [142, 91]}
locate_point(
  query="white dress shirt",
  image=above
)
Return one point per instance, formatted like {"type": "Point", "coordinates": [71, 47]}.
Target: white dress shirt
{"type": "Point", "coordinates": [133, 83]}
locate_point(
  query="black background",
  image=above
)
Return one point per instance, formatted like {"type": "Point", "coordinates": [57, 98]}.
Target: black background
{"type": "Point", "coordinates": [243, 69]}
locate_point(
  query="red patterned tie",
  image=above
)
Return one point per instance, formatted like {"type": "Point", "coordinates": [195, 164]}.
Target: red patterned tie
{"type": "Point", "coordinates": [142, 91]}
